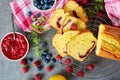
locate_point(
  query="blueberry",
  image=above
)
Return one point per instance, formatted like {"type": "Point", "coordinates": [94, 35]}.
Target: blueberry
{"type": "Point", "coordinates": [52, 2]}
{"type": "Point", "coordinates": [45, 52]}
{"type": "Point", "coordinates": [50, 6]}
{"type": "Point", "coordinates": [44, 43]}
{"type": "Point", "coordinates": [42, 2]}
{"type": "Point", "coordinates": [45, 1]}
{"type": "Point", "coordinates": [43, 56]}
{"type": "Point", "coordinates": [37, 15]}
{"type": "Point", "coordinates": [47, 61]}
{"type": "Point", "coordinates": [29, 13]}
{"type": "Point", "coordinates": [49, 1]}
{"type": "Point", "coordinates": [35, 4]}
{"type": "Point", "coordinates": [46, 6]}
{"type": "Point", "coordinates": [53, 60]}
{"type": "Point", "coordinates": [48, 56]}
{"type": "Point", "coordinates": [39, 6]}
{"type": "Point", "coordinates": [40, 68]}
{"type": "Point", "coordinates": [29, 60]}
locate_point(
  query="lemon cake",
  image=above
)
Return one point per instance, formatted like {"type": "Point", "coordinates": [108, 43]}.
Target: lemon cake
{"type": "Point", "coordinates": [57, 18]}
{"type": "Point", "coordinates": [59, 41]}
{"type": "Point", "coordinates": [81, 45]}
{"type": "Point", "coordinates": [73, 8]}
{"type": "Point", "coordinates": [72, 23]}
{"type": "Point", "coordinates": [108, 44]}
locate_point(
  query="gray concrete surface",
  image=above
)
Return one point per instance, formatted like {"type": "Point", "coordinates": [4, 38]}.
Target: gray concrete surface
{"type": "Point", "coordinates": [12, 70]}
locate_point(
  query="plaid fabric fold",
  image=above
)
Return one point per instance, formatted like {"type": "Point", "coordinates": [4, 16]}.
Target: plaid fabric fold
{"type": "Point", "coordinates": [20, 9]}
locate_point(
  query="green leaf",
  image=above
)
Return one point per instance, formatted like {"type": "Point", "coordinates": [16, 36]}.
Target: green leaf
{"type": "Point", "coordinates": [33, 32]}
{"type": "Point", "coordinates": [99, 1]}
{"type": "Point", "coordinates": [35, 26]}
{"type": "Point", "coordinates": [37, 54]}
{"type": "Point", "coordinates": [33, 19]}
{"type": "Point", "coordinates": [101, 7]}
{"type": "Point", "coordinates": [43, 19]}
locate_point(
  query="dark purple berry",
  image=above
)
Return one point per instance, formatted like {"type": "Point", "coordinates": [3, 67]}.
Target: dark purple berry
{"type": "Point", "coordinates": [45, 51]}
{"type": "Point", "coordinates": [44, 43]}
{"type": "Point", "coordinates": [47, 61]}
{"type": "Point", "coordinates": [53, 60]}
{"type": "Point", "coordinates": [29, 60]}
{"type": "Point", "coordinates": [38, 15]}
{"type": "Point", "coordinates": [29, 13]}
{"type": "Point", "coordinates": [40, 68]}
{"type": "Point", "coordinates": [48, 56]}
{"type": "Point", "coordinates": [43, 56]}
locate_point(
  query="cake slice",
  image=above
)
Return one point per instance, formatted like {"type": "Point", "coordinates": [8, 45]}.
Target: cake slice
{"type": "Point", "coordinates": [73, 8]}
{"type": "Point", "coordinates": [108, 44]}
{"type": "Point", "coordinates": [72, 23]}
{"type": "Point", "coordinates": [59, 41]}
{"type": "Point", "coordinates": [81, 45]}
{"type": "Point", "coordinates": [57, 18]}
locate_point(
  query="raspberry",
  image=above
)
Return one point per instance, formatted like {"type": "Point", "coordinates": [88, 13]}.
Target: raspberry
{"type": "Point", "coordinates": [84, 2]}
{"type": "Point", "coordinates": [80, 74]}
{"type": "Point", "coordinates": [49, 68]}
{"type": "Point", "coordinates": [90, 66]}
{"type": "Point", "coordinates": [23, 62]}
{"type": "Point", "coordinates": [24, 70]}
{"type": "Point", "coordinates": [73, 26]}
{"type": "Point", "coordinates": [99, 14]}
{"type": "Point", "coordinates": [67, 61]}
{"type": "Point", "coordinates": [36, 63]}
{"type": "Point", "coordinates": [77, 0]}
{"type": "Point", "coordinates": [69, 69]}
{"type": "Point", "coordinates": [37, 77]}
{"type": "Point", "coordinates": [58, 57]}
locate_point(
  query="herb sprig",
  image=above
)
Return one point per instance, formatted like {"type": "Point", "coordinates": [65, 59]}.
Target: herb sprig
{"type": "Point", "coordinates": [98, 6]}
{"type": "Point", "coordinates": [36, 40]}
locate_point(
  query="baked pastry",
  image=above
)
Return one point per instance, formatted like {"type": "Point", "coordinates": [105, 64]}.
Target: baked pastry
{"type": "Point", "coordinates": [57, 18]}
{"type": "Point", "coordinates": [108, 44]}
{"type": "Point", "coordinates": [72, 23]}
{"type": "Point", "coordinates": [81, 45]}
{"type": "Point", "coordinates": [73, 8]}
{"type": "Point", "coordinates": [59, 41]}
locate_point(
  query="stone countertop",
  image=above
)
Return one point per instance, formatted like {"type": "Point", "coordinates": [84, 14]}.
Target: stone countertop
{"type": "Point", "coordinates": [12, 70]}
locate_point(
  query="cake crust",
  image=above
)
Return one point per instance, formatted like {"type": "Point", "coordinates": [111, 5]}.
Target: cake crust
{"type": "Point", "coordinates": [108, 45]}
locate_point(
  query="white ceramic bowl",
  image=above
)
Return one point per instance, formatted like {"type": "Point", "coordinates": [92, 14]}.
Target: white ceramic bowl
{"type": "Point", "coordinates": [14, 50]}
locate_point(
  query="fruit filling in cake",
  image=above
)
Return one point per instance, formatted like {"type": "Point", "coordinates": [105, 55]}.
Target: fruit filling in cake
{"type": "Point", "coordinates": [77, 11]}
{"type": "Point", "coordinates": [81, 45]}
{"type": "Point", "coordinates": [58, 22]}
{"type": "Point", "coordinates": [88, 51]}
{"type": "Point", "coordinates": [57, 18]}
{"type": "Point", "coordinates": [72, 23]}
{"type": "Point", "coordinates": [75, 14]}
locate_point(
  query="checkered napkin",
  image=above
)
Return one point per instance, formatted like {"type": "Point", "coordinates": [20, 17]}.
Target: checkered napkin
{"type": "Point", "coordinates": [20, 9]}
{"type": "Point", "coordinates": [113, 10]}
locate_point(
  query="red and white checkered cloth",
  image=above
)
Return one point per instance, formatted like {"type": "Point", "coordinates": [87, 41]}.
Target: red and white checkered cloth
{"type": "Point", "coordinates": [113, 10]}
{"type": "Point", "coordinates": [21, 8]}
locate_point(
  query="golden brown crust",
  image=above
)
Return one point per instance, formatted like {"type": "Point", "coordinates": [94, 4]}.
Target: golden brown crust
{"type": "Point", "coordinates": [112, 36]}
{"type": "Point", "coordinates": [107, 54]}
{"type": "Point", "coordinates": [114, 31]}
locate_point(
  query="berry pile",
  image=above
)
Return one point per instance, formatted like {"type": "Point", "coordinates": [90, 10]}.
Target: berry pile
{"type": "Point", "coordinates": [43, 4]}
{"type": "Point", "coordinates": [24, 63]}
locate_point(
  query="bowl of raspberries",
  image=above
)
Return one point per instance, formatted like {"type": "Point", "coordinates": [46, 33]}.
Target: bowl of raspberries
{"type": "Point", "coordinates": [44, 5]}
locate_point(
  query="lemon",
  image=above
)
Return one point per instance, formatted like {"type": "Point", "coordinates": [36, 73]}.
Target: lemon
{"type": "Point", "coordinates": [57, 77]}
